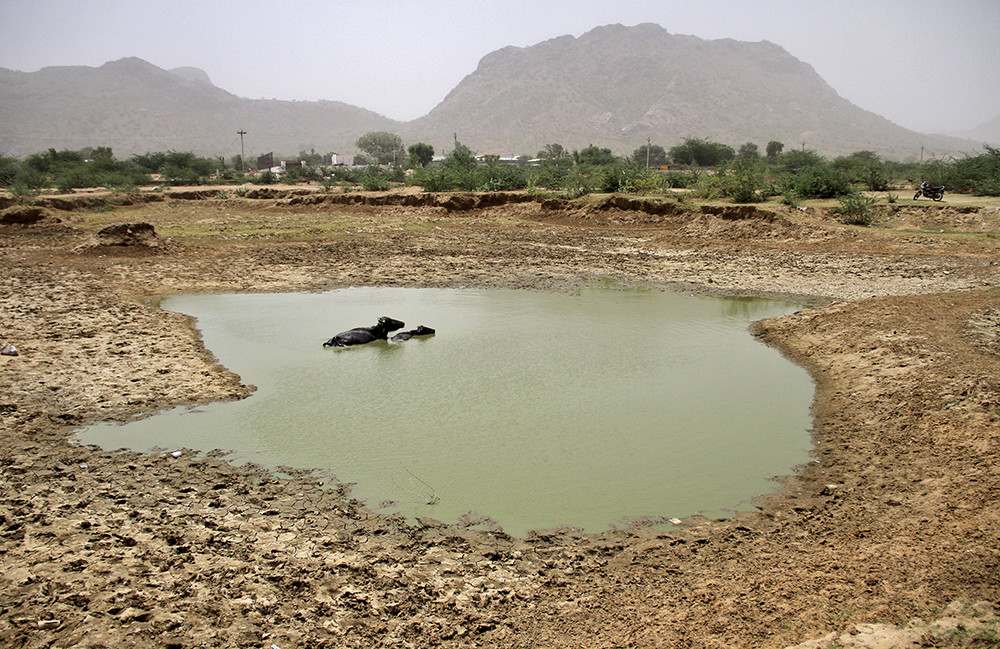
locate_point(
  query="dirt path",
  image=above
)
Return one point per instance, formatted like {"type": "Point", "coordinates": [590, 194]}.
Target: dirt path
{"type": "Point", "coordinates": [895, 519]}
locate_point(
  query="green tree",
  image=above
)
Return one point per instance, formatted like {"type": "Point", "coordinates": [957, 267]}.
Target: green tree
{"type": "Point", "coordinates": [98, 153]}
{"type": "Point", "coordinates": [553, 152]}
{"type": "Point", "coordinates": [312, 158]}
{"type": "Point", "coordinates": [420, 154]}
{"type": "Point", "coordinates": [594, 156]}
{"type": "Point", "coordinates": [748, 151]}
{"type": "Point", "coordinates": [702, 153]}
{"type": "Point", "coordinates": [650, 155]}
{"type": "Point", "coordinates": [865, 167]}
{"type": "Point", "coordinates": [797, 159]}
{"type": "Point", "coordinates": [385, 148]}
{"type": "Point", "coordinates": [461, 158]}
{"type": "Point", "coordinates": [774, 149]}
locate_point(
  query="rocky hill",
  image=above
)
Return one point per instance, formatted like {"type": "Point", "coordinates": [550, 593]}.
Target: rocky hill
{"type": "Point", "coordinates": [617, 86]}
{"type": "Point", "coordinates": [135, 107]}
{"type": "Point", "coordinates": [614, 86]}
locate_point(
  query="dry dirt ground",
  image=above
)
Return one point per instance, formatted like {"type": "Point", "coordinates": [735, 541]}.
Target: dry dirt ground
{"type": "Point", "coordinates": [894, 524]}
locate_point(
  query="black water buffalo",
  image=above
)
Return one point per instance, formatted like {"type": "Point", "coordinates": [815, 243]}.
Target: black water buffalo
{"type": "Point", "coordinates": [421, 330]}
{"type": "Point", "coordinates": [362, 335]}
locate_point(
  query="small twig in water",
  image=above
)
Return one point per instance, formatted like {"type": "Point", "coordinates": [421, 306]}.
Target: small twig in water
{"type": "Point", "coordinates": [431, 499]}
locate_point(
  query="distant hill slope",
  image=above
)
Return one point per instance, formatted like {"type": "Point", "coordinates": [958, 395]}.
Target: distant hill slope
{"type": "Point", "coordinates": [614, 86]}
{"type": "Point", "coordinates": [988, 132]}
{"type": "Point", "coordinates": [135, 107]}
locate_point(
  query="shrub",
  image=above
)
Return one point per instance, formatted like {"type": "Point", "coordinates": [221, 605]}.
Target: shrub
{"type": "Point", "coordinates": [351, 175]}
{"type": "Point", "coordinates": [680, 179]}
{"type": "Point", "coordinates": [23, 193]}
{"type": "Point", "coordinates": [619, 178]}
{"type": "Point", "coordinates": [875, 178]}
{"type": "Point", "coordinates": [551, 173]}
{"type": "Point", "coordinates": [857, 209]}
{"type": "Point", "coordinates": [818, 181]}
{"type": "Point", "coordinates": [710, 187]}
{"type": "Point", "coordinates": [500, 178]}
{"type": "Point", "coordinates": [744, 181]}
{"type": "Point", "coordinates": [430, 180]}
{"type": "Point", "coordinates": [374, 180]}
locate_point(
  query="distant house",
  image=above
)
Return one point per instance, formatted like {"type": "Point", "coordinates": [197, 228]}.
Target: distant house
{"type": "Point", "coordinates": [345, 159]}
{"type": "Point", "coordinates": [504, 158]}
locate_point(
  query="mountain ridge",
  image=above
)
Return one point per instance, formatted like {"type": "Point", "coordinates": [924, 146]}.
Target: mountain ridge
{"type": "Point", "coordinates": [613, 86]}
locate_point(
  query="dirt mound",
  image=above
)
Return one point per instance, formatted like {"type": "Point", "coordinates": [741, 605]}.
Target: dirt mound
{"type": "Point", "coordinates": [125, 235]}
{"type": "Point", "coordinates": [27, 215]}
{"type": "Point", "coordinates": [940, 218]}
{"type": "Point", "coordinates": [656, 208]}
{"type": "Point", "coordinates": [731, 223]}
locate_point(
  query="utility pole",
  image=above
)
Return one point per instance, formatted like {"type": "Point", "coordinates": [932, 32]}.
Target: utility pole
{"type": "Point", "coordinates": [241, 133]}
{"type": "Point", "coordinates": [647, 154]}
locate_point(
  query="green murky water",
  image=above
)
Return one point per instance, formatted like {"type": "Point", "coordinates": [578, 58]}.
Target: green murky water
{"type": "Point", "coordinates": [535, 409]}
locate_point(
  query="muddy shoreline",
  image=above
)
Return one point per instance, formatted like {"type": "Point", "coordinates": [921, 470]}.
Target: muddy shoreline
{"type": "Point", "coordinates": [895, 519]}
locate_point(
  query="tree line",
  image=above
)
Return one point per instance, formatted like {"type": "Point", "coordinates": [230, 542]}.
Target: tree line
{"type": "Point", "coordinates": [710, 170]}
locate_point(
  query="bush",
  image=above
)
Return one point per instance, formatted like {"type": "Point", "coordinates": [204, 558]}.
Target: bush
{"type": "Point", "coordinates": [744, 181]}
{"type": "Point", "coordinates": [864, 167]}
{"type": "Point", "coordinates": [22, 193]}
{"type": "Point", "coordinates": [710, 187]}
{"type": "Point", "coordinates": [875, 178]}
{"type": "Point", "coordinates": [616, 178]}
{"type": "Point", "coordinates": [500, 178]}
{"type": "Point", "coordinates": [680, 179]}
{"type": "Point", "coordinates": [857, 209]}
{"type": "Point", "coordinates": [817, 181]}
{"type": "Point", "coordinates": [352, 175]}
{"type": "Point", "coordinates": [551, 173]}
{"type": "Point", "coordinates": [374, 180]}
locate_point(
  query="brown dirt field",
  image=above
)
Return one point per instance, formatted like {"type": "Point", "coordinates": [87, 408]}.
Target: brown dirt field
{"type": "Point", "coordinates": [893, 524]}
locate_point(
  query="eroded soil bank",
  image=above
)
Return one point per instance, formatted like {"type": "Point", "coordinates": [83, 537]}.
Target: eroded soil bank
{"type": "Point", "coordinates": [896, 518]}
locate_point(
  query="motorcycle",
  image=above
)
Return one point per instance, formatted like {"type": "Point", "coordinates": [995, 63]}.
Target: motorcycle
{"type": "Point", "coordinates": [933, 193]}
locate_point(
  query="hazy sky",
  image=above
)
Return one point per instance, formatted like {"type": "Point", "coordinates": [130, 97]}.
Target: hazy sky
{"type": "Point", "coordinates": [931, 66]}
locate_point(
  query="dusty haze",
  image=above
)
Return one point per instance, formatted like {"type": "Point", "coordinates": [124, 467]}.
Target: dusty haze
{"type": "Point", "coordinates": [928, 66]}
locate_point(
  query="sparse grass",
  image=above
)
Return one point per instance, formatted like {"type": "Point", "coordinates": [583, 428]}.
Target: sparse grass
{"type": "Point", "coordinates": [202, 224]}
{"type": "Point", "coordinates": [987, 635]}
